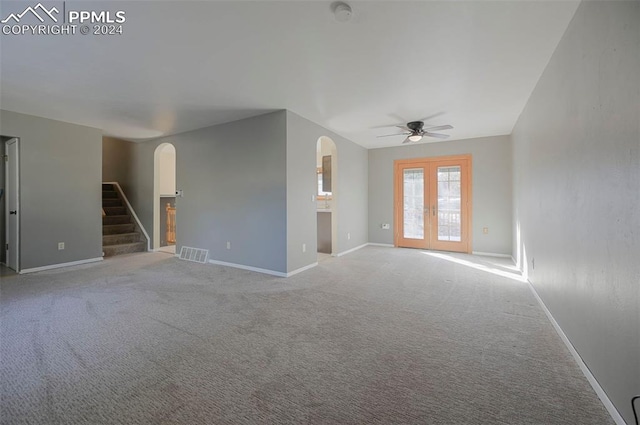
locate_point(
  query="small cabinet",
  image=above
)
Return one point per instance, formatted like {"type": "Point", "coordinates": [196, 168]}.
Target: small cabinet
{"type": "Point", "coordinates": [324, 232]}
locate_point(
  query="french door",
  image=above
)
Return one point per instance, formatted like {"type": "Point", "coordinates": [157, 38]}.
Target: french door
{"type": "Point", "coordinates": [433, 203]}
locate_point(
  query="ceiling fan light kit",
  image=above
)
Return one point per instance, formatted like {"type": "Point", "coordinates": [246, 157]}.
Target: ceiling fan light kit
{"type": "Point", "coordinates": [415, 131]}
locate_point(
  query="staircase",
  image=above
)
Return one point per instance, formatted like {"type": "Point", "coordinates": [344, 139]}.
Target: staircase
{"type": "Point", "coordinates": [120, 234]}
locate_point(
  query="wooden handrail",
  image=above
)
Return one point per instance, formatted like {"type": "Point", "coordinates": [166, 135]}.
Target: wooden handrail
{"type": "Point", "coordinates": [171, 224]}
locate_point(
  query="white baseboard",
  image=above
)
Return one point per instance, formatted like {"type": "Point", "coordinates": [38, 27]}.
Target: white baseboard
{"type": "Point", "coordinates": [250, 268]}
{"type": "Point", "coordinates": [491, 254]}
{"type": "Point", "coordinates": [602, 395]}
{"type": "Point", "coordinates": [389, 245]}
{"type": "Point", "coordinates": [301, 269]}
{"type": "Point", "coordinates": [265, 271]}
{"type": "Point", "coordinates": [340, 254]}
{"type": "Point", "coordinates": [57, 266]}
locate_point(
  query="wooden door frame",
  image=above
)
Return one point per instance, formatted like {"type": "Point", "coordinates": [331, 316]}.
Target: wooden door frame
{"type": "Point", "coordinates": [397, 198]}
{"type": "Point", "coordinates": [420, 162]}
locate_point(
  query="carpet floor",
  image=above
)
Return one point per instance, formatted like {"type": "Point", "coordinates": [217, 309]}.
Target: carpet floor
{"type": "Point", "coordinates": [379, 336]}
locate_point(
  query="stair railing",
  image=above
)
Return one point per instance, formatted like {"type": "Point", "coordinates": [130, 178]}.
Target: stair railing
{"type": "Point", "coordinates": [133, 213]}
{"type": "Point", "coordinates": [171, 224]}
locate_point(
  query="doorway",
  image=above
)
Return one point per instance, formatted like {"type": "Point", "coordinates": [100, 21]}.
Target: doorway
{"type": "Point", "coordinates": [433, 203]}
{"type": "Point", "coordinates": [164, 199]}
{"type": "Point", "coordinates": [326, 197]}
{"type": "Point", "coordinates": [11, 197]}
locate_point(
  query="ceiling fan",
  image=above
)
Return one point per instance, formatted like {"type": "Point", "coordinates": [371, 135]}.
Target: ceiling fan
{"type": "Point", "coordinates": [415, 131]}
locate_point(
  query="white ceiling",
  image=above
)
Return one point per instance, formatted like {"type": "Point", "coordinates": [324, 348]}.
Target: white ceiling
{"type": "Point", "coordinates": [183, 65]}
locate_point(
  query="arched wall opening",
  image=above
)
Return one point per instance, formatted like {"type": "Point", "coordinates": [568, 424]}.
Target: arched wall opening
{"type": "Point", "coordinates": [164, 197]}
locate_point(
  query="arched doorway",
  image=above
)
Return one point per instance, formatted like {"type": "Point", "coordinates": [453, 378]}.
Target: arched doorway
{"type": "Point", "coordinates": [164, 198]}
{"type": "Point", "coordinates": [327, 196]}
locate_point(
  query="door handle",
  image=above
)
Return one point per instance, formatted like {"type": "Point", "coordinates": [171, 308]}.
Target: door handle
{"type": "Point", "coordinates": [13, 212]}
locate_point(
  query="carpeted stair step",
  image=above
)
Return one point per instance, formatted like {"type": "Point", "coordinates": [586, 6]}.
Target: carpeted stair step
{"type": "Point", "coordinates": [119, 239]}
{"type": "Point", "coordinates": [111, 202]}
{"type": "Point", "coordinates": [116, 219]}
{"type": "Point", "coordinates": [126, 248]}
{"type": "Point", "coordinates": [117, 229]}
{"type": "Point", "coordinates": [120, 235]}
{"type": "Point", "coordinates": [115, 210]}
{"type": "Point", "coordinates": [109, 194]}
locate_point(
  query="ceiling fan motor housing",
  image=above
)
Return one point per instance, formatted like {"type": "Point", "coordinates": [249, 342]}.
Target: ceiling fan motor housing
{"type": "Point", "coordinates": [415, 126]}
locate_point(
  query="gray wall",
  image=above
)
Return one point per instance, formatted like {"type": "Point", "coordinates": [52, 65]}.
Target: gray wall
{"type": "Point", "coordinates": [577, 192]}
{"type": "Point", "coordinates": [60, 191]}
{"type": "Point", "coordinates": [116, 157]}
{"type": "Point", "coordinates": [234, 183]}
{"type": "Point", "coordinates": [491, 186]}
{"type": "Point", "coordinates": [350, 192]}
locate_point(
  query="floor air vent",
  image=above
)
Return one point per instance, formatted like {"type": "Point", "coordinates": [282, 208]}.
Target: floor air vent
{"type": "Point", "coordinates": [194, 254]}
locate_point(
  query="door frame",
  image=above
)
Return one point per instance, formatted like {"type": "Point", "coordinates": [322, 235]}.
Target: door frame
{"type": "Point", "coordinates": [397, 198]}
{"type": "Point", "coordinates": [10, 184]}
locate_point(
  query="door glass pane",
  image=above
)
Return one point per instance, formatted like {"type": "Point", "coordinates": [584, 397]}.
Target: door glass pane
{"type": "Point", "coordinates": [413, 181]}
{"type": "Point", "coordinates": [449, 223]}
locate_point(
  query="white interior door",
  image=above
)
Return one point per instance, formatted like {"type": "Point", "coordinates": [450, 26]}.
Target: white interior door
{"type": "Point", "coordinates": [12, 204]}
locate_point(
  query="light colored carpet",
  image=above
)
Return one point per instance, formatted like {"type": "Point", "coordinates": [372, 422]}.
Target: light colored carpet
{"type": "Point", "coordinates": [169, 249]}
{"type": "Point", "coordinates": [380, 336]}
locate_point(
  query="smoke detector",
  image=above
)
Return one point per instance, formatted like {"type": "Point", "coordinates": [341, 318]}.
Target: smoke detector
{"type": "Point", "coordinates": [342, 12]}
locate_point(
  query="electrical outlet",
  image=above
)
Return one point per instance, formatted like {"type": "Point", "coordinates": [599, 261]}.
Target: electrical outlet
{"type": "Point", "coordinates": [485, 230]}
{"type": "Point", "coordinates": [304, 247]}
{"type": "Point", "coordinates": [348, 235]}
{"type": "Point", "coordinates": [385, 226]}
{"type": "Point", "coordinates": [228, 245]}
{"type": "Point", "coordinates": [60, 246]}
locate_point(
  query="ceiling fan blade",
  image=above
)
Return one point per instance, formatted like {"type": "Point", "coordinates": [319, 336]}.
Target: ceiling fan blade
{"type": "Point", "coordinates": [385, 126]}
{"type": "Point", "coordinates": [439, 127]}
{"type": "Point", "coordinates": [436, 135]}
{"type": "Point", "coordinates": [397, 118]}
{"type": "Point", "coordinates": [406, 141]}
{"type": "Point", "coordinates": [403, 127]}
{"type": "Point", "coordinates": [398, 134]}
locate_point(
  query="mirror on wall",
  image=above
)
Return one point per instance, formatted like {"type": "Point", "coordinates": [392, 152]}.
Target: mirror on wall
{"type": "Point", "coordinates": [326, 173]}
